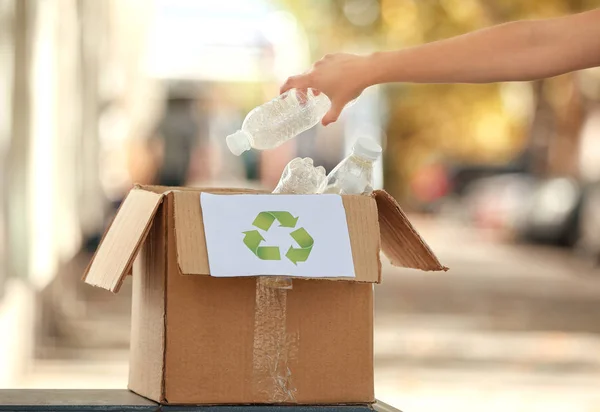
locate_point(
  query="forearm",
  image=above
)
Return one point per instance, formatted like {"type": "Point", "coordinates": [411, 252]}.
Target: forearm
{"type": "Point", "coordinates": [516, 51]}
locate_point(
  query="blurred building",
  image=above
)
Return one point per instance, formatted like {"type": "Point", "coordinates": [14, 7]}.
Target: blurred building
{"type": "Point", "coordinates": [64, 65]}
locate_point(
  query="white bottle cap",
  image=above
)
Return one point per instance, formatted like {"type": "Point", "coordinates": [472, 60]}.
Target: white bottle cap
{"type": "Point", "coordinates": [367, 148]}
{"type": "Point", "coordinates": [238, 142]}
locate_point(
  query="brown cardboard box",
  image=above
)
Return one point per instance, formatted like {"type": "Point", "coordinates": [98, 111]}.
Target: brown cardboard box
{"type": "Point", "coordinates": [194, 338]}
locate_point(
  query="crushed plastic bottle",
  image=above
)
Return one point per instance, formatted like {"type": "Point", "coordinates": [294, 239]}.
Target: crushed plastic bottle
{"type": "Point", "coordinates": [354, 174]}
{"type": "Point", "coordinates": [279, 120]}
{"type": "Point", "coordinates": [301, 177]}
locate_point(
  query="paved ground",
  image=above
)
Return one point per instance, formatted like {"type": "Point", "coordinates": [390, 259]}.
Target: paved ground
{"type": "Point", "coordinates": [509, 327]}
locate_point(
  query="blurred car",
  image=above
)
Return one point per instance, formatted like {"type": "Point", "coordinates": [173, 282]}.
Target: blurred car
{"type": "Point", "coordinates": [463, 176]}
{"type": "Point", "coordinates": [498, 202]}
{"type": "Point", "coordinates": [589, 223]}
{"type": "Point", "coordinates": [552, 215]}
{"type": "Point", "coordinates": [429, 187]}
{"type": "Point", "coordinates": [440, 186]}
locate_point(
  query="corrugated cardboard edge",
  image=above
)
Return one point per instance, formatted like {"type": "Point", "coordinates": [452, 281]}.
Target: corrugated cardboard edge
{"type": "Point", "coordinates": [400, 242]}
{"type": "Point", "coordinates": [215, 190]}
{"type": "Point", "coordinates": [93, 278]}
{"type": "Point", "coordinates": [146, 365]}
{"type": "Point", "coordinates": [170, 239]}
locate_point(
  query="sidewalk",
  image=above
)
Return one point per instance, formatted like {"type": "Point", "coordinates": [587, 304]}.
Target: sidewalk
{"type": "Point", "coordinates": [509, 327]}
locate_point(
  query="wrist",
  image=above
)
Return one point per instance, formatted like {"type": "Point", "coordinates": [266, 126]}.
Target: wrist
{"type": "Point", "coordinates": [375, 68]}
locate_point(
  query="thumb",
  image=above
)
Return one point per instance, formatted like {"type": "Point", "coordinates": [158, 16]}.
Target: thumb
{"type": "Point", "coordinates": [333, 114]}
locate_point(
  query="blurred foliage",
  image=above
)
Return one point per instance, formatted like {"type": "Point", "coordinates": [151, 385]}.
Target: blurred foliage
{"type": "Point", "coordinates": [463, 123]}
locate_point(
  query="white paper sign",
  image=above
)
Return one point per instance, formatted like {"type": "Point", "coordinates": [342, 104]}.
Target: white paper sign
{"type": "Point", "coordinates": [293, 235]}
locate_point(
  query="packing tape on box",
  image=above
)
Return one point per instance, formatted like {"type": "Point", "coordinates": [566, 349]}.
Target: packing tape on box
{"type": "Point", "coordinates": [273, 347]}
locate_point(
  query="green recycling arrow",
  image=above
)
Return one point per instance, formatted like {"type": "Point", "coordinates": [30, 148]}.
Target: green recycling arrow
{"type": "Point", "coordinates": [305, 241]}
{"type": "Point", "coordinates": [264, 220]}
{"type": "Point", "coordinates": [253, 238]}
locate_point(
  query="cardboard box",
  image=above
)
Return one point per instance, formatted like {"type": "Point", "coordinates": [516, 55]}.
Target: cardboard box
{"type": "Point", "coordinates": [199, 339]}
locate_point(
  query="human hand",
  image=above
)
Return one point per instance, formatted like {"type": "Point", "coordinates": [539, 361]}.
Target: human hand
{"type": "Point", "coordinates": [342, 77]}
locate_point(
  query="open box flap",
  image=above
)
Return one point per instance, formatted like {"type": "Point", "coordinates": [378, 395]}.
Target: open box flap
{"type": "Point", "coordinates": [121, 242]}
{"type": "Point", "coordinates": [400, 242]}
{"type": "Point", "coordinates": [361, 216]}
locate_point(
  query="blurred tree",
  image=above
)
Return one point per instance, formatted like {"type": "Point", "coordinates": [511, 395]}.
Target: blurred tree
{"type": "Point", "coordinates": [464, 123]}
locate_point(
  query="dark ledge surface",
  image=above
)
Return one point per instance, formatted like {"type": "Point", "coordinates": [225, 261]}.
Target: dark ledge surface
{"type": "Point", "coordinates": [45, 400]}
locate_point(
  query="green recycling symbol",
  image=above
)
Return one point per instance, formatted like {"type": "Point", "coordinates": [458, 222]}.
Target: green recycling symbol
{"type": "Point", "coordinates": [264, 221]}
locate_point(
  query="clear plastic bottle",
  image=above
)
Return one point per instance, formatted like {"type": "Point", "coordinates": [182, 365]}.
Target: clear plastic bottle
{"type": "Point", "coordinates": [354, 174]}
{"type": "Point", "coordinates": [279, 120]}
{"type": "Point", "coordinates": [300, 177]}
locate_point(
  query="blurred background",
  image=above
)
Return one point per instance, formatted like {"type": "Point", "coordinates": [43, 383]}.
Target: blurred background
{"type": "Point", "coordinates": [502, 180]}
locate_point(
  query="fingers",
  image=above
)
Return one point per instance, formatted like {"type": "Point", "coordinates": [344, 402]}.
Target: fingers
{"type": "Point", "coordinates": [302, 95]}
{"type": "Point", "coordinates": [296, 82]}
{"type": "Point", "coordinates": [333, 114]}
